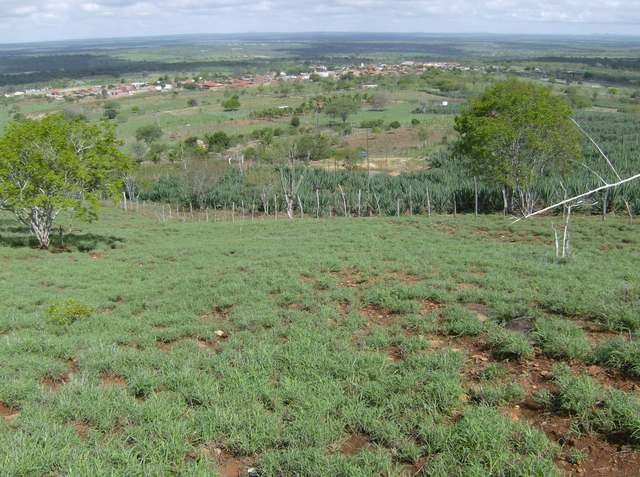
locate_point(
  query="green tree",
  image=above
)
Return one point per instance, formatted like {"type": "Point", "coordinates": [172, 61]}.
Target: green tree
{"type": "Point", "coordinates": [232, 104]}
{"type": "Point", "coordinates": [149, 133]}
{"type": "Point", "coordinates": [342, 107]}
{"type": "Point", "coordinates": [515, 133]}
{"type": "Point", "coordinates": [53, 164]}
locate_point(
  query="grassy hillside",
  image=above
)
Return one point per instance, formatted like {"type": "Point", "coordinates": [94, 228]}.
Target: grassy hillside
{"type": "Point", "coordinates": [442, 346]}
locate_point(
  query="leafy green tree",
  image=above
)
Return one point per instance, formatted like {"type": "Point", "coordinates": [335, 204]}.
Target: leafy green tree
{"type": "Point", "coordinates": [53, 164]}
{"type": "Point", "coordinates": [515, 133]}
{"type": "Point", "coordinates": [232, 104]}
{"type": "Point", "coordinates": [149, 133]}
{"type": "Point", "coordinates": [218, 141]}
{"type": "Point", "coordinates": [342, 107]}
{"type": "Point", "coordinates": [295, 122]}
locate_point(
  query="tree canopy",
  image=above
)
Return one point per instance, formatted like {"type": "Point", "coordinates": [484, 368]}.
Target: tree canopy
{"type": "Point", "coordinates": [55, 163]}
{"type": "Point", "coordinates": [514, 133]}
{"type": "Point", "coordinates": [342, 107]}
{"type": "Point", "coordinates": [149, 133]}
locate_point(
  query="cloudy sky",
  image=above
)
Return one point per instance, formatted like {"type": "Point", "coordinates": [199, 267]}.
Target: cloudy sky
{"type": "Point", "coordinates": [36, 20]}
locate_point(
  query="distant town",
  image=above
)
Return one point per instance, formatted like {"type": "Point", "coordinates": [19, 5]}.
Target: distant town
{"type": "Point", "coordinates": [315, 73]}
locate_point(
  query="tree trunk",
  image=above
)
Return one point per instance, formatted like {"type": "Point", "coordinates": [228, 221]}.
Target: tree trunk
{"type": "Point", "coordinates": [41, 222]}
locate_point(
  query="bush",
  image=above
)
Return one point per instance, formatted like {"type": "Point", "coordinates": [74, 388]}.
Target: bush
{"type": "Point", "coordinates": [372, 123]}
{"type": "Point", "coordinates": [395, 124]}
{"type": "Point", "coordinates": [459, 321]}
{"type": "Point", "coordinates": [497, 395]}
{"type": "Point", "coordinates": [415, 122]}
{"type": "Point", "coordinates": [295, 121]}
{"type": "Point", "coordinates": [507, 344]}
{"type": "Point", "coordinates": [68, 312]}
{"type": "Point", "coordinates": [561, 338]}
{"type": "Point", "coordinates": [619, 353]}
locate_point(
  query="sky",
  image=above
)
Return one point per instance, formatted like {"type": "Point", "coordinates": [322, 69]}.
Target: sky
{"type": "Point", "coordinates": [42, 20]}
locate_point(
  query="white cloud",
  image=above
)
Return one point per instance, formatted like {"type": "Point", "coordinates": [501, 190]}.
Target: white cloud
{"type": "Point", "coordinates": [82, 18]}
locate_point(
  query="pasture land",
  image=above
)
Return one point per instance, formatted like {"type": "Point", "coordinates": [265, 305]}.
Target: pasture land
{"type": "Point", "coordinates": [337, 347]}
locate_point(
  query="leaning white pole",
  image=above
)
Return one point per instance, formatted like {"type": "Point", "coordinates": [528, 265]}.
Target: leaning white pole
{"type": "Point", "coordinates": [577, 197]}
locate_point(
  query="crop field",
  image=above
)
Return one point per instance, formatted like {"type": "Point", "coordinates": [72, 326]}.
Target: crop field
{"type": "Point", "coordinates": [336, 347]}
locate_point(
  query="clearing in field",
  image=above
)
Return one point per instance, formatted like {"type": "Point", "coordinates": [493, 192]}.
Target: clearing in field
{"type": "Point", "coordinates": [395, 347]}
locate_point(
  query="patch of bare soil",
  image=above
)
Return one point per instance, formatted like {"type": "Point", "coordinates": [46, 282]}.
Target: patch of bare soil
{"type": "Point", "coordinates": [349, 278]}
{"type": "Point", "coordinates": [55, 383]}
{"type": "Point", "coordinates": [82, 429]}
{"type": "Point", "coordinates": [306, 277]}
{"type": "Point", "coordinates": [219, 314]}
{"type": "Point", "coordinates": [208, 345]}
{"type": "Point", "coordinates": [165, 346]}
{"type": "Point", "coordinates": [379, 316]}
{"type": "Point", "coordinates": [355, 443]}
{"type": "Point", "coordinates": [113, 380]}
{"type": "Point", "coordinates": [229, 465]}
{"type": "Point", "coordinates": [7, 412]}
{"type": "Point", "coordinates": [481, 310]}
{"type": "Point", "coordinates": [403, 277]}
{"type": "Point", "coordinates": [393, 353]}
{"type": "Point", "coordinates": [343, 307]}
{"type": "Point", "coordinates": [428, 306]}
{"type": "Point", "coordinates": [603, 458]}
{"type": "Point", "coordinates": [467, 285]}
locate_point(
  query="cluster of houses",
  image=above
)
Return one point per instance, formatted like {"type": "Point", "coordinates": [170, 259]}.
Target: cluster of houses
{"type": "Point", "coordinates": [315, 72]}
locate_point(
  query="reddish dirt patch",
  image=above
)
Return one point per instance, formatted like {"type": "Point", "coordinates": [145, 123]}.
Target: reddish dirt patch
{"type": "Point", "coordinates": [402, 276]}
{"type": "Point", "coordinates": [349, 278]}
{"type": "Point", "coordinates": [8, 412]}
{"type": "Point", "coordinates": [355, 443]}
{"type": "Point", "coordinates": [428, 306]}
{"type": "Point", "coordinates": [55, 383]}
{"type": "Point", "coordinates": [208, 345]}
{"type": "Point", "coordinates": [82, 429]}
{"type": "Point", "coordinates": [306, 278]}
{"type": "Point", "coordinates": [393, 353]}
{"type": "Point", "coordinates": [229, 465]}
{"type": "Point", "coordinates": [603, 459]}
{"type": "Point", "coordinates": [343, 307]}
{"type": "Point", "coordinates": [218, 314]}
{"type": "Point", "coordinates": [295, 306]}
{"type": "Point", "coordinates": [481, 311]}
{"type": "Point", "coordinates": [467, 285]}
{"type": "Point", "coordinates": [113, 380]}
{"type": "Point", "coordinates": [165, 346]}
{"type": "Point", "coordinates": [379, 316]}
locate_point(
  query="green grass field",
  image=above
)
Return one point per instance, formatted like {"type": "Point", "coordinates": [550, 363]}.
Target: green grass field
{"type": "Point", "coordinates": [443, 346]}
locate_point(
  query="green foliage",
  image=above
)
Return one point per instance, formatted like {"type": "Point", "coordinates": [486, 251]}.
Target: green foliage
{"type": "Point", "coordinates": [458, 321]}
{"type": "Point", "coordinates": [483, 442]}
{"type": "Point", "coordinates": [218, 141]}
{"type": "Point", "coordinates": [506, 344]}
{"type": "Point", "coordinates": [54, 164]}
{"type": "Point", "coordinates": [68, 312]}
{"type": "Point", "coordinates": [497, 394]}
{"type": "Point", "coordinates": [149, 133]}
{"type": "Point", "coordinates": [232, 104]}
{"type": "Point", "coordinates": [560, 338]}
{"type": "Point", "coordinates": [515, 133]}
{"type": "Point", "coordinates": [295, 122]}
{"type": "Point", "coordinates": [619, 353]}
{"type": "Point", "coordinates": [395, 124]}
{"type": "Point", "coordinates": [342, 107]}
{"type": "Point", "coordinates": [595, 408]}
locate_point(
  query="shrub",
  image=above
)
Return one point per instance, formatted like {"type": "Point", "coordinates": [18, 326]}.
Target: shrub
{"type": "Point", "coordinates": [415, 122]}
{"type": "Point", "coordinates": [394, 124]}
{"type": "Point", "coordinates": [68, 312]}
{"type": "Point", "coordinates": [561, 338]}
{"type": "Point", "coordinates": [459, 321]}
{"type": "Point", "coordinates": [295, 121]}
{"type": "Point", "coordinates": [483, 442]}
{"type": "Point", "coordinates": [619, 353]}
{"type": "Point", "coordinates": [507, 344]}
{"type": "Point", "coordinates": [497, 395]}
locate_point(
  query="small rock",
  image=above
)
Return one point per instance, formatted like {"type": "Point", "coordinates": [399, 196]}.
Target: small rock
{"type": "Point", "coordinates": [220, 333]}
